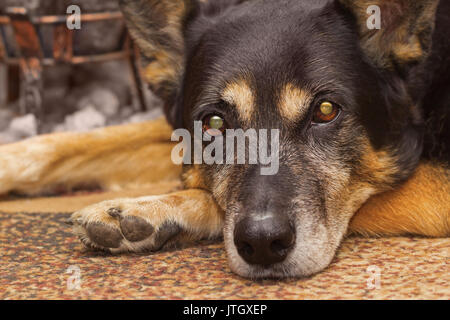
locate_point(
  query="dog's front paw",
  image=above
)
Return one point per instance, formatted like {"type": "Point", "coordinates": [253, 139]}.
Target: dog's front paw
{"type": "Point", "coordinates": [126, 226]}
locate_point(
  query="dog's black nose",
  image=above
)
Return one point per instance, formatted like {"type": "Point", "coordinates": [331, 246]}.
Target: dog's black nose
{"type": "Point", "coordinates": [264, 238]}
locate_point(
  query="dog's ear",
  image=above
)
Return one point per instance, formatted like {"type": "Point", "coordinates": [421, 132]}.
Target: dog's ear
{"type": "Point", "coordinates": [404, 34]}
{"type": "Point", "coordinates": [157, 28]}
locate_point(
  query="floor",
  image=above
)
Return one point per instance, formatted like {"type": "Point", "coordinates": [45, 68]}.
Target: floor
{"type": "Point", "coordinates": [41, 259]}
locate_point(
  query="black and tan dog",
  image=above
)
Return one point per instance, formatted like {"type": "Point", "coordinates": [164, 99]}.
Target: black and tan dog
{"type": "Point", "coordinates": [364, 126]}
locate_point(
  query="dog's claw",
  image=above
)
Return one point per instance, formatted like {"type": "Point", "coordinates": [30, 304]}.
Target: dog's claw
{"type": "Point", "coordinates": [115, 212]}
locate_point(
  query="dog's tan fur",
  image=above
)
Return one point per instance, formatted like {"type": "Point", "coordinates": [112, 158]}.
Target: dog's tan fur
{"type": "Point", "coordinates": [106, 158]}
{"type": "Point", "coordinates": [420, 206]}
{"type": "Point", "coordinates": [114, 156]}
{"type": "Point", "coordinates": [240, 94]}
{"type": "Point", "coordinates": [294, 102]}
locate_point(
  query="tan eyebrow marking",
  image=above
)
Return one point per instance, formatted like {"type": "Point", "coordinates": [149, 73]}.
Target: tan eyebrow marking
{"type": "Point", "coordinates": [294, 102]}
{"type": "Point", "coordinates": [239, 94]}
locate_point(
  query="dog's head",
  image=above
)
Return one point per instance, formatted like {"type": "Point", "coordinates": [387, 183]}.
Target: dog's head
{"type": "Point", "coordinates": [336, 90]}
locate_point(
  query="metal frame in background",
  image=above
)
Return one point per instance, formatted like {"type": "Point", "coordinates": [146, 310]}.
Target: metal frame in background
{"type": "Point", "coordinates": [27, 53]}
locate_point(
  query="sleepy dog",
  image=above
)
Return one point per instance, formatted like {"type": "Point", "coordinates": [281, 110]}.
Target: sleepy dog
{"type": "Point", "coordinates": [362, 114]}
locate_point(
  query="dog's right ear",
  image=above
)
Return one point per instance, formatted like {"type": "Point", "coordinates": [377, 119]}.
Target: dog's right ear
{"type": "Point", "coordinates": [405, 34]}
{"type": "Point", "coordinates": [157, 28]}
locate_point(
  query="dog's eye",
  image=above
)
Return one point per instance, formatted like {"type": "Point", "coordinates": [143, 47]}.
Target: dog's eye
{"type": "Point", "coordinates": [214, 125]}
{"type": "Point", "coordinates": [325, 112]}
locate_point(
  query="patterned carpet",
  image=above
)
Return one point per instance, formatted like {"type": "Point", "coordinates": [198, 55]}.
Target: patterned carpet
{"type": "Point", "coordinates": [40, 259]}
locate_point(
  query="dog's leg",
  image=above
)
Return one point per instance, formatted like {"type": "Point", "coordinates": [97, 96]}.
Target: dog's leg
{"type": "Point", "coordinates": [149, 223]}
{"type": "Point", "coordinates": [421, 206]}
{"type": "Point", "coordinates": [110, 158]}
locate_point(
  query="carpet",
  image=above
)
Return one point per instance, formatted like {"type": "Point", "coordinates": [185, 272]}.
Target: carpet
{"type": "Point", "coordinates": [41, 259]}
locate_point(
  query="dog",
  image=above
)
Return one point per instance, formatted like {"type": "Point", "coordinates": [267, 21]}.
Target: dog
{"type": "Point", "coordinates": [362, 113]}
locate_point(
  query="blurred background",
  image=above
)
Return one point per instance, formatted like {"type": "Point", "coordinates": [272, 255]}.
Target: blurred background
{"type": "Point", "coordinates": [54, 79]}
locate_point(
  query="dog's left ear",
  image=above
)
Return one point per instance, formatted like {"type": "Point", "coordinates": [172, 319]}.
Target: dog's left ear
{"type": "Point", "coordinates": [404, 35]}
{"type": "Point", "coordinates": [157, 28]}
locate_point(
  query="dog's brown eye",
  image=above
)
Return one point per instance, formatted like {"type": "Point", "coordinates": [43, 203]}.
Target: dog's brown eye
{"type": "Point", "coordinates": [325, 112]}
{"type": "Point", "coordinates": [214, 125]}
